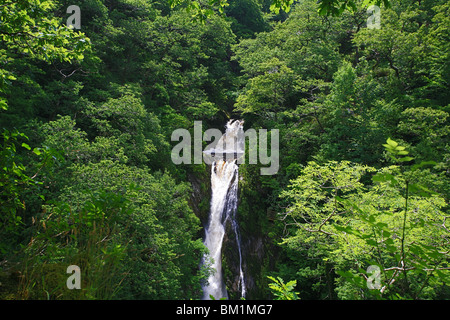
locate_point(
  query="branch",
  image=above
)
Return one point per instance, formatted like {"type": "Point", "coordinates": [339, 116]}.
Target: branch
{"type": "Point", "coordinates": [323, 223]}
{"type": "Point", "coordinates": [414, 268]}
{"type": "Point", "coordinates": [399, 268]}
{"type": "Point", "coordinates": [443, 225]}
{"type": "Point", "coordinates": [64, 75]}
{"type": "Point", "coordinates": [403, 233]}
{"type": "Point", "coordinates": [391, 64]}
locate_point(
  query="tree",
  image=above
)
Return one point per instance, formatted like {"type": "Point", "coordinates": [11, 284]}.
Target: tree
{"type": "Point", "coordinates": [351, 226]}
{"type": "Point", "coordinates": [357, 117]}
{"type": "Point", "coordinates": [28, 29]}
{"type": "Point", "coordinates": [248, 18]}
{"type": "Point", "coordinates": [201, 11]}
{"type": "Point", "coordinates": [269, 93]}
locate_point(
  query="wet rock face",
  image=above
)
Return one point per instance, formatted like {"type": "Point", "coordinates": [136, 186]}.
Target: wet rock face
{"type": "Point", "coordinates": [254, 252]}
{"type": "Point", "coordinates": [201, 195]}
{"type": "Point", "coordinates": [230, 256]}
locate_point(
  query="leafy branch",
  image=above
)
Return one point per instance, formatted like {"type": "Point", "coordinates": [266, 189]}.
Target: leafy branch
{"type": "Point", "coordinates": [202, 10]}
{"type": "Point", "coordinates": [283, 291]}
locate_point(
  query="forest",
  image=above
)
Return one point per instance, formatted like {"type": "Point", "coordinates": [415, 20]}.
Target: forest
{"type": "Point", "coordinates": [358, 209]}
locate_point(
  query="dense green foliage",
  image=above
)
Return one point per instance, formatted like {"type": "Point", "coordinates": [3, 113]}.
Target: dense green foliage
{"type": "Point", "coordinates": [86, 176]}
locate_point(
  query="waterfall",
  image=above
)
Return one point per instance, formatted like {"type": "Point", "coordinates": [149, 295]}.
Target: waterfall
{"type": "Point", "coordinates": [224, 199]}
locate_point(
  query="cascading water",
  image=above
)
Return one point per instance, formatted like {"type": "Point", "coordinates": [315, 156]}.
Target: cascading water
{"type": "Point", "coordinates": [224, 199]}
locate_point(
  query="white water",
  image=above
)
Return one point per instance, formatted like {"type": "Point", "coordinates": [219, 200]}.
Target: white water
{"type": "Point", "coordinates": [224, 185]}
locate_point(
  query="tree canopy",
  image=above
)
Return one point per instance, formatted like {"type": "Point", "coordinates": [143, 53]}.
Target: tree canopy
{"type": "Point", "coordinates": [357, 210]}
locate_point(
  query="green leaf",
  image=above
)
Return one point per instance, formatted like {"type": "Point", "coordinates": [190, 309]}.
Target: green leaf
{"type": "Point", "coordinates": [421, 190]}
{"type": "Point", "coordinates": [37, 151]}
{"type": "Point", "coordinates": [3, 104]}
{"type": "Point", "coordinates": [274, 8]}
{"type": "Point", "coordinates": [391, 143]}
{"type": "Point", "coordinates": [384, 177]}
{"type": "Point", "coordinates": [405, 159]}
{"type": "Point", "coordinates": [386, 234]}
{"type": "Point", "coordinates": [26, 146]}
{"type": "Point", "coordinates": [422, 164]}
